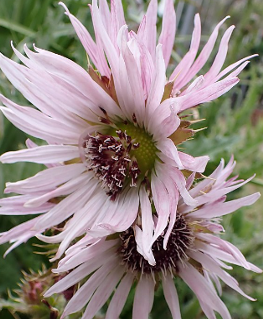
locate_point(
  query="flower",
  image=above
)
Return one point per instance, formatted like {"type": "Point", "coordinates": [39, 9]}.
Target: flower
{"type": "Point", "coordinates": [28, 298]}
{"type": "Point", "coordinates": [111, 131]}
{"type": "Point", "coordinates": [194, 252]}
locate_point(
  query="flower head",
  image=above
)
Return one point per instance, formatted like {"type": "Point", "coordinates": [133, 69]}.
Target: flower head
{"type": "Point", "coordinates": [194, 252]}
{"type": "Point", "coordinates": [111, 131]}
{"type": "Point", "coordinates": [28, 299]}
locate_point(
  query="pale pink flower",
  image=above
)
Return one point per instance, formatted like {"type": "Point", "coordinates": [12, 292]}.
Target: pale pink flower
{"type": "Point", "coordinates": [110, 137]}
{"type": "Point", "coordinates": [194, 252]}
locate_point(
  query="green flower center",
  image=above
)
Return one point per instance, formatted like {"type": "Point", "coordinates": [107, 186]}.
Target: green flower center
{"type": "Point", "coordinates": [120, 156]}
{"type": "Point", "coordinates": [146, 153]}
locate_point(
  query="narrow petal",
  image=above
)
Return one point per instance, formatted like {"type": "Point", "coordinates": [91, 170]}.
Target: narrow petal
{"type": "Point", "coordinates": [85, 292]}
{"type": "Point", "coordinates": [42, 154]}
{"type": "Point", "coordinates": [203, 291]}
{"type": "Point", "coordinates": [77, 77]}
{"type": "Point", "coordinates": [235, 65]}
{"type": "Point", "coordinates": [69, 187]}
{"type": "Point", "coordinates": [117, 20]}
{"type": "Point", "coordinates": [103, 292]}
{"type": "Point", "coordinates": [222, 249]}
{"type": "Point", "coordinates": [144, 237]}
{"type": "Point", "coordinates": [78, 224]}
{"type": "Point", "coordinates": [147, 34]}
{"type": "Point", "coordinates": [204, 55]}
{"type": "Point", "coordinates": [73, 277]}
{"type": "Point", "coordinates": [181, 70]}
{"type": "Point", "coordinates": [168, 148]}
{"type": "Point", "coordinates": [67, 207]}
{"type": "Point", "coordinates": [226, 207]}
{"type": "Point", "coordinates": [219, 192]}
{"type": "Point", "coordinates": [119, 298]}
{"type": "Point", "coordinates": [95, 52]}
{"type": "Point", "coordinates": [135, 81]}
{"type": "Point", "coordinates": [171, 296]}
{"type": "Point", "coordinates": [220, 57]}
{"type": "Point", "coordinates": [157, 85]}
{"type": "Point", "coordinates": [161, 203]}
{"type": "Point", "coordinates": [209, 264]}
{"type": "Point", "coordinates": [168, 30]}
{"type": "Point", "coordinates": [38, 124]}
{"type": "Point", "coordinates": [207, 94]}
{"type": "Point", "coordinates": [47, 179]}
{"type": "Point", "coordinates": [144, 291]}
{"type": "Point", "coordinates": [180, 183]}
{"type": "Point", "coordinates": [19, 234]}
{"type": "Point", "coordinates": [195, 164]}
{"type": "Point", "coordinates": [110, 50]}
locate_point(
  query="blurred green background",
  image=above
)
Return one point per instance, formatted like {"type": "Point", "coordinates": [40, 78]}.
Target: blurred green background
{"type": "Point", "coordinates": [234, 121]}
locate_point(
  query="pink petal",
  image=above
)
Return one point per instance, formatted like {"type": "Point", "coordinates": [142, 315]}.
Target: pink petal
{"type": "Point", "coordinates": [115, 221]}
{"type": "Point", "coordinates": [216, 193]}
{"type": "Point", "coordinates": [181, 70]}
{"type": "Point", "coordinates": [148, 68]}
{"type": "Point", "coordinates": [85, 292]}
{"type": "Point", "coordinates": [158, 83]}
{"type": "Point", "coordinates": [234, 65]}
{"type": "Point", "coordinates": [223, 246]}
{"type": "Point", "coordinates": [167, 147]}
{"type": "Point", "coordinates": [204, 55]}
{"type": "Point", "coordinates": [147, 222]}
{"type": "Point", "coordinates": [204, 292]}
{"type": "Point", "coordinates": [173, 200]}
{"type": "Point", "coordinates": [117, 12]}
{"type": "Point", "coordinates": [207, 94]}
{"type": "Point", "coordinates": [94, 51]}
{"type": "Point", "coordinates": [39, 125]}
{"type": "Point", "coordinates": [47, 179]}
{"type": "Point", "coordinates": [209, 264]}
{"type": "Point", "coordinates": [161, 203]}
{"type": "Point", "coordinates": [19, 234]}
{"type": "Point", "coordinates": [162, 112]}
{"type": "Point", "coordinates": [78, 224]}
{"type": "Point", "coordinates": [109, 48]}
{"type": "Point", "coordinates": [64, 209]}
{"type": "Point", "coordinates": [70, 72]}
{"type": "Point", "coordinates": [15, 211]}
{"type": "Point", "coordinates": [195, 164]}
{"type": "Point", "coordinates": [103, 292]}
{"type": "Point", "coordinates": [171, 296]}
{"type": "Point", "coordinates": [17, 73]}
{"type": "Point", "coordinates": [74, 277]}
{"type": "Point", "coordinates": [220, 57]}
{"type": "Point", "coordinates": [221, 209]}
{"type": "Point", "coordinates": [179, 180]}
{"type": "Point", "coordinates": [144, 291]}
{"type": "Point", "coordinates": [169, 125]}
{"type": "Point", "coordinates": [105, 13]}
{"type": "Point", "coordinates": [144, 248]}
{"type": "Point", "coordinates": [42, 154]}
{"type": "Point", "coordinates": [147, 34]}
{"type": "Point", "coordinates": [168, 30]}
{"type": "Point", "coordinates": [69, 187]}
{"type": "Point", "coordinates": [194, 86]}
{"type": "Point", "coordinates": [117, 21]}
{"type": "Point", "coordinates": [99, 250]}
{"type": "Point", "coordinates": [119, 298]}
{"type": "Point", "coordinates": [135, 82]}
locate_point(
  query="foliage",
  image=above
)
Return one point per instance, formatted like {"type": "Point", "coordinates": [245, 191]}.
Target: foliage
{"type": "Point", "coordinates": [234, 126]}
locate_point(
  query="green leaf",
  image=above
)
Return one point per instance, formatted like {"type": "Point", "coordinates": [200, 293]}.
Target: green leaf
{"type": "Point", "coordinates": [12, 26]}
